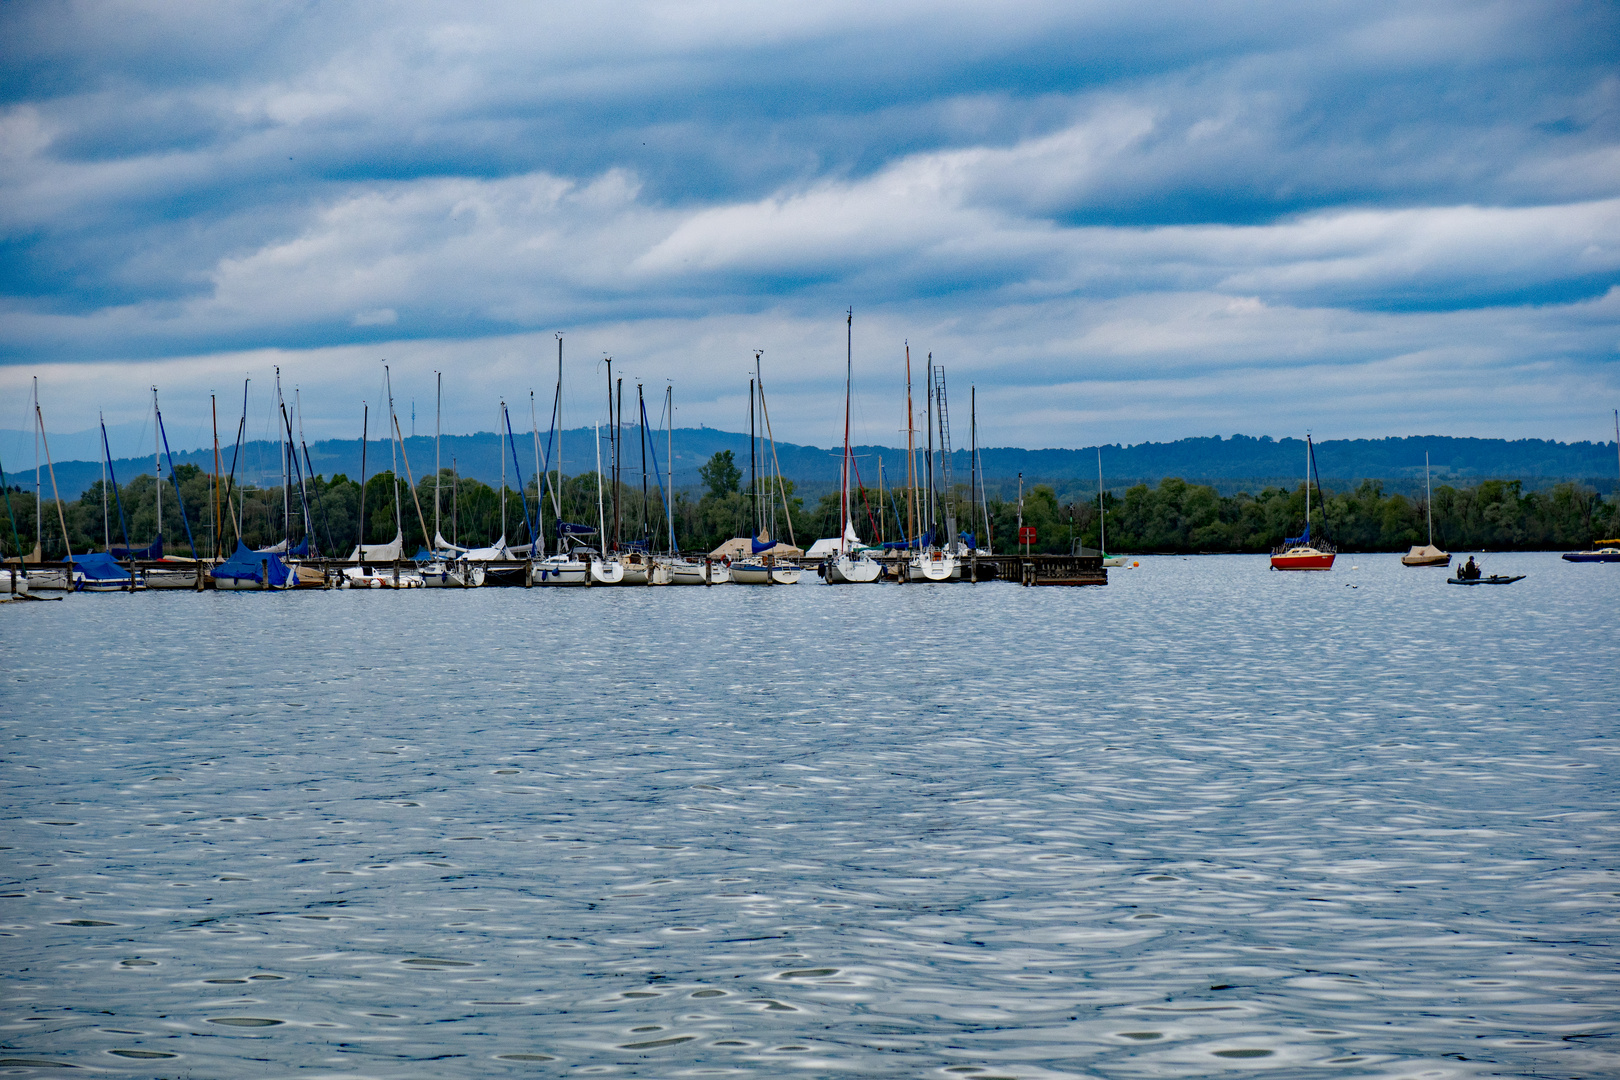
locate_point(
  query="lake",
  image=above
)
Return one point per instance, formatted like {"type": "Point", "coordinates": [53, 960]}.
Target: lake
{"type": "Point", "coordinates": [1207, 820]}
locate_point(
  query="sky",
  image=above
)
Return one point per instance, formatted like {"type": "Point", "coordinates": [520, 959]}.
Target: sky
{"type": "Point", "coordinates": [1113, 222]}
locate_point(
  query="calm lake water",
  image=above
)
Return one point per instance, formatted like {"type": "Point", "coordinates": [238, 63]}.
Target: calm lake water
{"type": "Point", "coordinates": [1206, 821]}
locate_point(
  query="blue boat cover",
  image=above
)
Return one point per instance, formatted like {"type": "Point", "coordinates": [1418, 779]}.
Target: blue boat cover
{"type": "Point", "coordinates": [247, 565]}
{"type": "Point", "coordinates": [922, 541]}
{"type": "Point", "coordinates": [970, 539]}
{"type": "Point", "coordinates": [302, 550]}
{"type": "Point", "coordinates": [1304, 538]}
{"type": "Point", "coordinates": [761, 545]}
{"type": "Point", "coordinates": [565, 528]}
{"type": "Point", "coordinates": [154, 550]}
{"type": "Point", "coordinates": [423, 555]}
{"type": "Point", "coordinates": [99, 566]}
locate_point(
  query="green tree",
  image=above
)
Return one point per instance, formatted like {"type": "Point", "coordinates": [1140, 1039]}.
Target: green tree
{"type": "Point", "coordinates": [721, 475]}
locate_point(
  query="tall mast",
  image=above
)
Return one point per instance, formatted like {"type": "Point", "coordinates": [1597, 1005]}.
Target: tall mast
{"type": "Point", "coordinates": [56, 494]}
{"type": "Point", "coordinates": [213, 408]}
{"type": "Point", "coordinates": [286, 473]}
{"type": "Point", "coordinates": [669, 464]}
{"type": "Point", "coordinates": [39, 512]}
{"type": "Point", "coordinates": [539, 537]}
{"type": "Point", "coordinates": [753, 467]}
{"type": "Point", "coordinates": [393, 456]}
{"type": "Point", "coordinates": [556, 492]}
{"type": "Point", "coordinates": [360, 538]}
{"type": "Point", "coordinates": [1307, 487]}
{"type": "Point", "coordinates": [618, 456]}
{"type": "Point", "coordinates": [646, 517]}
{"type": "Point", "coordinates": [502, 453]}
{"type": "Point", "coordinates": [438, 411]}
{"type": "Point", "coordinates": [911, 458]}
{"type": "Point", "coordinates": [604, 537]}
{"type": "Point", "coordinates": [106, 530]}
{"type": "Point", "coordinates": [843, 480]}
{"type": "Point", "coordinates": [157, 465]}
{"type": "Point", "coordinates": [1428, 499]}
{"type": "Point", "coordinates": [933, 507]}
{"type": "Point", "coordinates": [973, 463]}
{"type": "Point", "coordinates": [601, 517]}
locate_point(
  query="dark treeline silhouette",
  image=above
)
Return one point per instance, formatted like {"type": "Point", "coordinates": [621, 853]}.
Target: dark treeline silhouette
{"type": "Point", "coordinates": [1174, 516]}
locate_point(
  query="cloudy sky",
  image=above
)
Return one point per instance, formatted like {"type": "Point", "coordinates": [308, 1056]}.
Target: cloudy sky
{"type": "Point", "coordinates": [1120, 222]}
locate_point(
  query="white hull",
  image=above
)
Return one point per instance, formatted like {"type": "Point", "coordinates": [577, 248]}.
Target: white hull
{"type": "Point", "coordinates": [173, 577]}
{"type": "Point", "coordinates": [1113, 560]}
{"type": "Point", "coordinates": [52, 581]}
{"type": "Point", "coordinates": [112, 586]}
{"type": "Point", "coordinates": [847, 571]}
{"type": "Point", "coordinates": [452, 576]}
{"type": "Point", "coordinates": [608, 572]}
{"type": "Point", "coordinates": [687, 572]}
{"type": "Point", "coordinates": [246, 585]}
{"type": "Point", "coordinates": [365, 577]}
{"type": "Point", "coordinates": [760, 574]}
{"type": "Point", "coordinates": [560, 571]}
{"type": "Point", "coordinates": [933, 566]}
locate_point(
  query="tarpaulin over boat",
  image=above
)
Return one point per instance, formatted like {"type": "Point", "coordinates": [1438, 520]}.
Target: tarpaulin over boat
{"type": "Point", "coordinates": [154, 550]}
{"type": "Point", "coordinates": [248, 565]}
{"type": "Point", "coordinates": [922, 541]}
{"type": "Point", "coordinates": [392, 551]}
{"type": "Point", "coordinates": [970, 539]}
{"type": "Point", "coordinates": [99, 566]}
{"type": "Point", "coordinates": [301, 551]}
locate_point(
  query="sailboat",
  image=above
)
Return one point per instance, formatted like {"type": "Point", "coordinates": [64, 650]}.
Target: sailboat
{"type": "Point", "coordinates": [1428, 554]}
{"type": "Point", "coordinates": [72, 576]}
{"type": "Point", "coordinates": [761, 563]}
{"type": "Point", "coordinates": [933, 561]}
{"type": "Point", "coordinates": [852, 563]}
{"type": "Point", "coordinates": [1297, 552]}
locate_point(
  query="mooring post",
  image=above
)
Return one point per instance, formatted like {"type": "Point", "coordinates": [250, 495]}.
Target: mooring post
{"type": "Point", "coordinates": [528, 573]}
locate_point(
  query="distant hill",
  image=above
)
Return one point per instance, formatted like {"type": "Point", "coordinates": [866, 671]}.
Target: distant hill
{"type": "Point", "coordinates": [1239, 462]}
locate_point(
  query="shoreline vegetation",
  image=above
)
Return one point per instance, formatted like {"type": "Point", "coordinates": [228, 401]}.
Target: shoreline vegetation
{"type": "Point", "coordinates": [1174, 517]}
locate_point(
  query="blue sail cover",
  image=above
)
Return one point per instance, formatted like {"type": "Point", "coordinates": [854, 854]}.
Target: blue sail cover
{"type": "Point", "coordinates": [922, 541]}
{"type": "Point", "coordinates": [567, 528]}
{"type": "Point", "coordinates": [154, 550]}
{"type": "Point", "coordinates": [99, 566]}
{"type": "Point", "coordinates": [970, 539]}
{"type": "Point", "coordinates": [423, 555]}
{"type": "Point", "coordinates": [248, 565]}
{"type": "Point", "coordinates": [761, 545]}
{"type": "Point", "coordinates": [1304, 538]}
{"type": "Point", "coordinates": [302, 550]}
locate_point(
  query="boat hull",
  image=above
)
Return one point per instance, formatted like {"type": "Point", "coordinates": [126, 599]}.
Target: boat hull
{"type": "Point", "coordinates": [847, 571]}
{"type": "Point", "coordinates": [558, 571]}
{"type": "Point", "coordinates": [171, 577]}
{"type": "Point", "coordinates": [1494, 579]}
{"type": "Point", "coordinates": [1601, 555]}
{"type": "Point", "coordinates": [760, 574]}
{"type": "Point", "coordinates": [245, 585]}
{"type": "Point", "coordinates": [686, 572]}
{"type": "Point", "coordinates": [452, 576]}
{"type": "Point", "coordinates": [932, 566]}
{"type": "Point", "coordinates": [607, 572]}
{"type": "Point", "coordinates": [1302, 559]}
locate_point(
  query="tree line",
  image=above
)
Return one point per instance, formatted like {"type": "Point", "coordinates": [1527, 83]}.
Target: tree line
{"type": "Point", "coordinates": [1174, 516]}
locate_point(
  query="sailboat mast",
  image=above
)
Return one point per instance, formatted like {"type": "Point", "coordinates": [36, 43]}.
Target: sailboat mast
{"type": "Point", "coordinates": [39, 512]}
{"type": "Point", "coordinates": [911, 457]}
{"type": "Point", "coordinates": [106, 531]}
{"type": "Point", "coordinates": [286, 472]}
{"type": "Point", "coordinates": [56, 493]}
{"type": "Point", "coordinates": [1307, 488]}
{"type": "Point", "coordinates": [157, 465]}
{"type": "Point", "coordinates": [601, 516]}
{"type": "Point", "coordinates": [360, 537]}
{"type": "Point", "coordinates": [932, 511]}
{"type": "Point", "coordinates": [438, 414]}
{"type": "Point", "coordinates": [753, 465]}
{"type": "Point", "coordinates": [213, 408]}
{"type": "Point", "coordinates": [556, 492]}
{"type": "Point", "coordinates": [669, 465]}
{"type": "Point", "coordinates": [641, 411]}
{"type": "Point", "coordinates": [539, 537]}
{"type": "Point", "coordinates": [393, 457]}
{"type": "Point", "coordinates": [1428, 499]}
{"type": "Point", "coordinates": [618, 459]}
{"type": "Point", "coordinates": [849, 368]}
{"type": "Point", "coordinates": [502, 452]}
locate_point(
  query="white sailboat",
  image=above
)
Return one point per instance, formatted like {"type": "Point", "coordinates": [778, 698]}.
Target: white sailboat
{"type": "Point", "coordinates": [852, 563]}
{"type": "Point", "coordinates": [762, 565]}
{"type": "Point", "coordinates": [934, 562]}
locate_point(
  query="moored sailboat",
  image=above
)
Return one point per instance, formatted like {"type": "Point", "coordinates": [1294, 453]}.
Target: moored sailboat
{"type": "Point", "coordinates": [1298, 552]}
{"type": "Point", "coordinates": [1427, 554]}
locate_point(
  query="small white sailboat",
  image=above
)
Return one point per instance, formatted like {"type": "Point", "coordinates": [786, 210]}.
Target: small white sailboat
{"type": "Point", "coordinates": [851, 562]}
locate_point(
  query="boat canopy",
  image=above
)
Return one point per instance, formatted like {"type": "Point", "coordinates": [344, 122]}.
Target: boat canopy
{"type": "Point", "coordinates": [248, 565]}
{"type": "Point", "coordinates": [393, 551]}
{"type": "Point", "coordinates": [154, 550]}
{"type": "Point", "coordinates": [99, 566]}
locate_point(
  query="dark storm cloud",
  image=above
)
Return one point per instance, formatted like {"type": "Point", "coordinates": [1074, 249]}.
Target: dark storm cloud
{"type": "Point", "coordinates": [182, 179]}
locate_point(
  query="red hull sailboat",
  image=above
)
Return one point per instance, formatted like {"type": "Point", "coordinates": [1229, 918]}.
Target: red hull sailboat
{"type": "Point", "coordinates": [1297, 552]}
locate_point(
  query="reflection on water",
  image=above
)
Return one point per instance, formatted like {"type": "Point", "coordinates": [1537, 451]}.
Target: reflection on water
{"type": "Point", "coordinates": [1204, 821]}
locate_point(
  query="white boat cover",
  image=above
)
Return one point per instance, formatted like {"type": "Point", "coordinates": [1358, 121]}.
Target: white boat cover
{"type": "Point", "coordinates": [496, 552]}
{"type": "Point", "coordinates": [827, 546]}
{"type": "Point", "coordinates": [441, 545]}
{"type": "Point", "coordinates": [742, 547]}
{"type": "Point", "coordinates": [389, 552]}
{"type": "Point", "coordinates": [1427, 551]}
